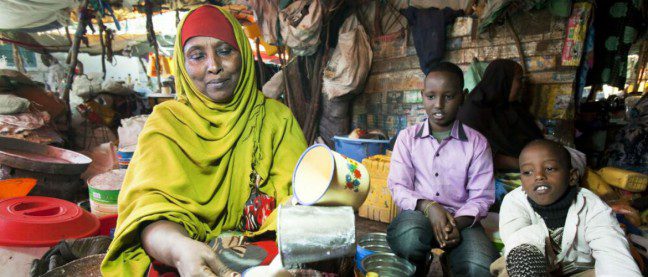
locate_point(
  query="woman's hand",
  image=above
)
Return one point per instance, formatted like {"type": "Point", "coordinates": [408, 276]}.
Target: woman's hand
{"type": "Point", "coordinates": [169, 243]}
{"type": "Point", "coordinates": [194, 258]}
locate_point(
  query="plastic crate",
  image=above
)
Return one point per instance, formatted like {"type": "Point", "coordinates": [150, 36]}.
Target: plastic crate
{"type": "Point", "coordinates": [358, 149]}
{"type": "Point", "coordinates": [379, 205]}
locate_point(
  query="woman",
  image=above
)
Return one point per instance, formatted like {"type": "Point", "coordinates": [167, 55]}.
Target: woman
{"type": "Point", "coordinates": [189, 178]}
{"type": "Point", "coordinates": [494, 109]}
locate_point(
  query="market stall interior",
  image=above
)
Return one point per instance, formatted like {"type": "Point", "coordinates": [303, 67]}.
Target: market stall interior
{"type": "Point", "coordinates": [80, 79]}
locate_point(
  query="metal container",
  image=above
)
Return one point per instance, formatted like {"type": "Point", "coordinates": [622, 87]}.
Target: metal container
{"type": "Point", "coordinates": [368, 244]}
{"type": "Point", "coordinates": [57, 170]}
{"type": "Point", "coordinates": [387, 265]}
{"type": "Point", "coordinates": [88, 266]}
{"type": "Point", "coordinates": [36, 157]}
{"type": "Point", "coordinates": [376, 242]}
{"type": "Point", "coordinates": [309, 233]}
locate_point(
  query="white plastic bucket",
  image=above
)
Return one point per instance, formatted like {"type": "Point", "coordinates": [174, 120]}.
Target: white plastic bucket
{"type": "Point", "coordinates": [104, 190]}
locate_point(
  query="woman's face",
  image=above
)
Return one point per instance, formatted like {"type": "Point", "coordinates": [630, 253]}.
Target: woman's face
{"type": "Point", "coordinates": [213, 66]}
{"type": "Point", "coordinates": [517, 86]}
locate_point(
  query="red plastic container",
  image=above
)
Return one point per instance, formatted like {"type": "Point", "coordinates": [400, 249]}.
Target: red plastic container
{"type": "Point", "coordinates": [30, 225]}
{"type": "Point", "coordinates": [107, 225]}
{"type": "Point", "coordinates": [43, 221]}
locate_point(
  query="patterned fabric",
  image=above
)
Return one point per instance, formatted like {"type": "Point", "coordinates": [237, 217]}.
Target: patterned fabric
{"type": "Point", "coordinates": [618, 23]}
{"type": "Point", "coordinates": [504, 183]}
{"type": "Point", "coordinates": [556, 238]}
{"type": "Point", "coordinates": [239, 254]}
{"type": "Point", "coordinates": [257, 208]}
{"type": "Point", "coordinates": [630, 149]}
{"type": "Point", "coordinates": [526, 260]}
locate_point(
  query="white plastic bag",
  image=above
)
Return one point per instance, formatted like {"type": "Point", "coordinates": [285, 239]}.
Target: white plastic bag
{"type": "Point", "coordinates": [86, 85]}
{"type": "Point", "coordinates": [130, 130]}
{"type": "Point", "coordinates": [114, 87]}
{"type": "Point", "coordinates": [351, 60]}
{"type": "Point", "coordinates": [104, 159]}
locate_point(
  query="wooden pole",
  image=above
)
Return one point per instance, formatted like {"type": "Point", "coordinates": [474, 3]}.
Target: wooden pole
{"type": "Point", "coordinates": [73, 62]}
{"type": "Point", "coordinates": [518, 43]}
{"type": "Point", "coordinates": [153, 40]}
{"type": "Point", "coordinates": [18, 61]}
{"type": "Point", "coordinates": [284, 68]}
{"type": "Point", "coordinates": [148, 79]}
{"type": "Point", "coordinates": [261, 80]}
{"type": "Point", "coordinates": [177, 12]}
{"type": "Point", "coordinates": [103, 47]}
{"type": "Point", "coordinates": [643, 60]}
{"type": "Point", "coordinates": [67, 35]}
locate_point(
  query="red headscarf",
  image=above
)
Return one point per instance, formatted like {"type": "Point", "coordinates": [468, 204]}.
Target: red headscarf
{"type": "Point", "coordinates": [208, 21]}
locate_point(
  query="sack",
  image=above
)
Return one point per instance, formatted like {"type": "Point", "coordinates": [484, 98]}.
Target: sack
{"type": "Point", "coordinates": [275, 86]}
{"type": "Point", "coordinates": [87, 85]}
{"type": "Point", "coordinates": [301, 25]}
{"type": "Point", "coordinates": [16, 83]}
{"type": "Point", "coordinates": [267, 12]}
{"type": "Point", "coordinates": [10, 104]}
{"type": "Point", "coordinates": [350, 62]}
{"type": "Point", "coordinates": [258, 206]}
{"type": "Point", "coordinates": [116, 88]}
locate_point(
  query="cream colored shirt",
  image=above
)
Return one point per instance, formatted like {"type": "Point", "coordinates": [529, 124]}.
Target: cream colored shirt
{"type": "Point", "coordinates": [591, 234]}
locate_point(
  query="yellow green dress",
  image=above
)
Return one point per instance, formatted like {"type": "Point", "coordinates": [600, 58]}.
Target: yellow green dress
{"type": "Point", "coordinates": [194, 158]}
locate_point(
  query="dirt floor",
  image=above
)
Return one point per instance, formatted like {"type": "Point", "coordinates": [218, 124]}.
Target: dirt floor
{"type": "Point", "coordinates": [364, 226]}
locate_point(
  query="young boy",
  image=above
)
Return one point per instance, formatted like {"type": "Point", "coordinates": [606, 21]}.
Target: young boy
{"type": "Point", "coordinates": [549, 225]}
{"type": "Point", "coordinates": [441, 177]}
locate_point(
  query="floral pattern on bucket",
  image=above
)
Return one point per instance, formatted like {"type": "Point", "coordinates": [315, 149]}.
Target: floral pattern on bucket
{"type": "Point", "coordinates": [354, 175]}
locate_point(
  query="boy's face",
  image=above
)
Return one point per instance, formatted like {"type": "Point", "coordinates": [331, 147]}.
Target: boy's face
{"type": "Point", "coordinates": [545, 176]}
{"type": "Point", "coordinates": [442, 97]}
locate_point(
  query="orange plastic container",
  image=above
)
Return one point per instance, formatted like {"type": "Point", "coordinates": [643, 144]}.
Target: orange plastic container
{"type": "Point", "coordinates": [16, 187]}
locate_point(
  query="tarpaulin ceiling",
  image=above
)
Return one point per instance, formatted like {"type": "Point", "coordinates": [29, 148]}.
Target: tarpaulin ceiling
{"type": "Point", "coordinates": [26, 14]}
